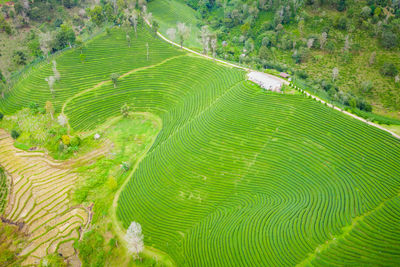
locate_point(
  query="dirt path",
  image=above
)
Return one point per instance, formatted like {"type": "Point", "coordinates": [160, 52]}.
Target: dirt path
{"type": "Point", "coordinates": [275, 78]}
{"type": "Point", "coordinates": [149, 251]}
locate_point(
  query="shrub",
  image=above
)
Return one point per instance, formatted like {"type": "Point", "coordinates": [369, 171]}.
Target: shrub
{"type": "Point", "coordinates": [300, 55]}
{"type": "Point", "coordinates": [263, 52]}
{"type": "Point", "coordinates": [33, 106]}
{"type": "Point", "coordinates": [366, 12]}
{"type": "Point", "coordinates": [19, 58]}
{"type": "Point", "coordinates": [388, 39]}
{"type": "Point", "coordinates": [341, 23]}
{"type": "Point", "coordinates": [42, 110]}
{"type": "Point", "coordinates": [61, 147]}
{"type": "Point", "coordinates": [125, 110]}
{"type": "Point", "coordinates": [66, 140]}
{"type": "Point", "coordinates": [91, 249]}
{"type": "Point", "coordinates": [389, 69]}
{"type": "Point", "coordinates": [75, 141]}
{"type": "Point", "coordinates": [302, 74]}
{"type": "Point", "coordinates": [14, 134]}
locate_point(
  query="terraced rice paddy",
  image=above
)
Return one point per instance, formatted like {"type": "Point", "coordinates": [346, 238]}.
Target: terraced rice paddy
{"type": "Point", "coordinates": [3, 190]}
{"type": "Point", "coordinates": [239, 176]}
{"type": "Point", "coordinates": [39, 201]}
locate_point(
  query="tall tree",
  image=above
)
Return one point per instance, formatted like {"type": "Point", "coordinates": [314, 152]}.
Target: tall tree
{"type": "Point", "coordinates": [45, 41]}
{"type": "Point", "coordinates": [55, 71]}
{"type": "Point", "coordinates": [155, 27]}
{"type": "Point", "coordinates": [51, 80]}
{"type": "Point", "coordinates": [114, 79]}
{"type": "Point", "coordinates": [49, 109]}
{"type": "Point", "coordinates": [214, 45]}
{"type": "Point", "coordinates": [171, 32]}
{"type": "Point", "coordinates": [135, 16]}
{"type": "Point", "coordinates": [183, 32]}
{"type": "Point", "coordinates": [323, 39]}
{"type": "Point", "coordinates": [335, 73]}
{"type": "Point", "coordinates": [134, 238]}
{"type": "Point", "coordinates": [372, 58]}
{"type": "Point", "coordinates": [205, 37]}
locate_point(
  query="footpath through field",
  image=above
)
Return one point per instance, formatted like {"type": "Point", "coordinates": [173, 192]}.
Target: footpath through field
{"type": "Point", "coordinates": [275, 78]}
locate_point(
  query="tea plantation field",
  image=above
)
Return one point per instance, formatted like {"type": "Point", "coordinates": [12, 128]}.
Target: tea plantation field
{"type": "Point", "coordinates": [237, 176]}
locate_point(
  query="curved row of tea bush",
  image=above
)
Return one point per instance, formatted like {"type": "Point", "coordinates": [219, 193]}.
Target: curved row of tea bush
{"type": "Point", "coordinates": [241, 177]}
{"type": "Point", "coordinates": [106, 54]}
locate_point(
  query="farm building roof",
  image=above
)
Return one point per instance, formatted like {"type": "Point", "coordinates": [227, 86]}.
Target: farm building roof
{"type": "Point", "coordinates": [284, 75]}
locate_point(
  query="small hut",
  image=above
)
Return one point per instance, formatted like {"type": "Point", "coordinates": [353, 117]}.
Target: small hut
{"type": "Point", "coordinates": [284, 75]}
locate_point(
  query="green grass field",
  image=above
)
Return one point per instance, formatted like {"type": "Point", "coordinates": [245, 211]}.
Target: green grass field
{"type": "Point", "coordinates": [168, 13]}
{"type": "Point", "coordinates": [236, 176]}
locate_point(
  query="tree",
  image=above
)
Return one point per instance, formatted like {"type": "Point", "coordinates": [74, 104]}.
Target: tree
{"type": "Point", "coordinates": [310, 43]}
{"type": "Point", "coordinates": [49, 109]}
{"type": "Point", "coordinates": [96, 15]}
{"type": "Point", "coordinates": [134, 238]}
{"type": "Point", "coordinates": [263, 53]}
{"type": "Point", "coordinates": [335, 73]}
{"type": "Point", "coordinates": [183, 32]}
{"type": "Point", "coordinates": [125, 110]}
{"type": "Point", "coordinates": [372, 58]}
{"type": "Point", "coordinates": [79, 44]}
{"type": "Point", "coordinates": [214, 45]}
{"type": "Point", "coordinates": [19, 57]}
{"type": "Point", "coordinates": [134, 17]}
{"type": "Point", "coordinates": [301, 27]}
{"type": "Point", "coordinates": [62, 120]}
{"type": "Point", "coordinates": [14, 134]}
{"type": "Point", "coordinates": [323, 39]}
{"type": "Point", "coordinates": [366, 12]}
{"type": "Point", "coordinates": [389, 69]}
{"type": "Point", "coordinates": [82, 57]}
{"type": "Point", "coordinates": [128, 39]}
{"type": "Point", "coordinates": [55, 71]}
{"type": "Point", "coordinates": [4, 25]}
{"type": "Point", "coordinates": [155, 27]}
{"type": "Point", "coordinates": [147, 49]}
{"type": "Point", "coordinates": [171, 32]}
{"type": "Point", "coordinates": [64, 37]}
{"type": "Point", "coordinates": [205, 38]}
{"type": "Point", "coordinates": [45, 41]}
{"type": "Point", "coordinates": [66, 139]}
{"type": "Point", "coordinates": [114, 78]}
{"type": "Point", "coordinates": [389, 39]}
{"type": "Point", "coordinates": [91, 249]}
{"type": "Point", "coordinates": [51, 80]}
{"type": "Point", "coordinates": [347, 44]}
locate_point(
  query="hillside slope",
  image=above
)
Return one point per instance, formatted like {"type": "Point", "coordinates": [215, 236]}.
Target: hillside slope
{"type": "Point", "coordinates": [237, 176]}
